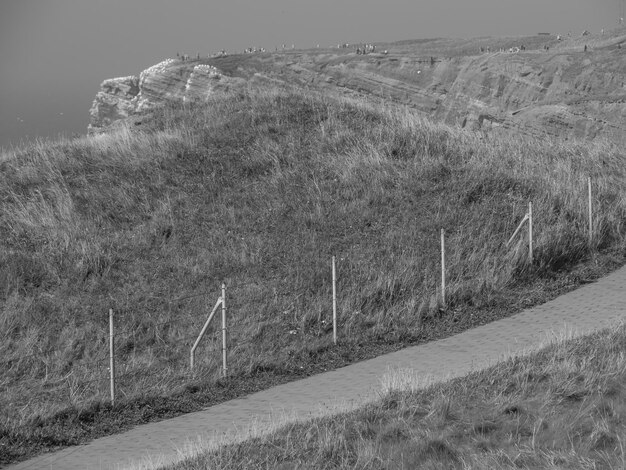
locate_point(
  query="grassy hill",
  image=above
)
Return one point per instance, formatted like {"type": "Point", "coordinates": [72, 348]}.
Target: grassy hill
{"type": "Point", "coordinates": [258, 191]}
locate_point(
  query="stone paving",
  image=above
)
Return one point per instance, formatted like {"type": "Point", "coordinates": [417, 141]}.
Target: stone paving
{"type": "Point", "coordinates": [592, 307]}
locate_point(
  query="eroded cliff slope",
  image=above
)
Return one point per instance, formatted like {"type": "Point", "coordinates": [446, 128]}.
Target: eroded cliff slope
{"type": "Point", "coordinates": [128, 97]}
{"type": "Point", "coordinates": [533, 85]}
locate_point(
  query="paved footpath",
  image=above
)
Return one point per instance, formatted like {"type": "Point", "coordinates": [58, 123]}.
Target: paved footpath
{"type": "Point", "coordinates": [589, 308]}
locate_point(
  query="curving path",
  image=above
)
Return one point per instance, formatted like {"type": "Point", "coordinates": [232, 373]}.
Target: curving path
{"type": "Point", "coordinates": [589, 308]}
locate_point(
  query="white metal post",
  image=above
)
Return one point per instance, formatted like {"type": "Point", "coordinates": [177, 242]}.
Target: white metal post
{"type": "Point", "coordinates": [590, 211]}
{"type": "Point", "coordinates": [443, 268]}
{"type": "Point", "coordinates": [224, 352]}
{"type": "Point", "coordinates": [334, 303]}
{"type": "Point", "coordinates": [530, 232]}
{"type": "Point", "coordinates": [111, 357]}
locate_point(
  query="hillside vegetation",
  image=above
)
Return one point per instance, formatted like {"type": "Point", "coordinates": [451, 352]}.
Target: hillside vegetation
{"type": "Point", "coordinates": [258, 191]}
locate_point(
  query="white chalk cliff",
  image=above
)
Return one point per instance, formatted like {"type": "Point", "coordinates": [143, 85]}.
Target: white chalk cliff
{"type": "Point", "coordinates": [169, 80]}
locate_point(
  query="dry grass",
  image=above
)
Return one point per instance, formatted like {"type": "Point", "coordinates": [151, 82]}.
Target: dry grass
{"type": "Point", "coordinates": [561, 407]}
{"type": "Point", "coordinates": [259, 190]}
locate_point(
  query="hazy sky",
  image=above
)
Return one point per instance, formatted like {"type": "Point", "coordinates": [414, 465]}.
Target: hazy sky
{"type": "Point", "coordinates": [55, 53]}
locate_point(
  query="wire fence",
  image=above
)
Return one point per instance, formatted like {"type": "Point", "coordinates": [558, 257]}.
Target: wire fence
{"type": "Point", "coordinates": [165, 345]}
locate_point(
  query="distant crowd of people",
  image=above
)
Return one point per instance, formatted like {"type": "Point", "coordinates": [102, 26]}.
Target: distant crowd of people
{"type": "Point", "coordinates": [512, 50]}
{"type": "Point", "coordinates": [366, 49]}
{"type": "Point", "coordinates": [361, 48]}
{"type": "Point", "coordinates": [546, 47]}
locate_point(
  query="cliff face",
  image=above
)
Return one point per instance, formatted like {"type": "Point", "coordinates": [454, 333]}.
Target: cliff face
{"type": "Point", "coordinates": [170, 80]}
{"type": "Point", "coordinates": [548, 87]}
{"type": "Point", "coordinates": [114, 101]}
{"type": "Point", "coordinates": [564, 91]}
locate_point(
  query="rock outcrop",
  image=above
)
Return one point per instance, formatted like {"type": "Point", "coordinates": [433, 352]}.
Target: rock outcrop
{"type": "Point", "coordinates": [169, 80]}
{"type": "Point", "coordinates": [548, 86]}
{"type": "Point", "coordinates": [114, 101]}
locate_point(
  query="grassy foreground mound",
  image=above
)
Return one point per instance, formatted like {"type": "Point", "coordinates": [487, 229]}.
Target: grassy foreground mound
{"type": "Point", "coordinates": [259, 191]}
{"type": "Point", "coordinates": [563, 407]}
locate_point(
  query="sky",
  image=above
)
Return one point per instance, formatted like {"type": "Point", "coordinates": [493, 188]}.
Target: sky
{"type": "Point", "coordinates": [55, 53]}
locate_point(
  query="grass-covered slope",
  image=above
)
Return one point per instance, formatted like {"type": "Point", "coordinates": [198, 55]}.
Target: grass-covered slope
{"type": "Point", "coordinates": [259, 191]}
{"type": "Point", "coordinates": [561, 408]}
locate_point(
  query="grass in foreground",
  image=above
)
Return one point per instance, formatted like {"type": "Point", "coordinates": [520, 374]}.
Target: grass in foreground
{"type": "Point", "coordinates": [561, 408]}
{"type": "Point", "coordinates": [259, 191]}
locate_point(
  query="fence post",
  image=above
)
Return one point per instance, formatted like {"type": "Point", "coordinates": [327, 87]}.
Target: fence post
{"type": "Point", "coordinates": [530, 232]}
{"type": "Point", "coordinates": [111, 357]}
{"type": "Point", "coordinates": [443, 268]}
{"type": "Point", "coordinates": [334, 303]}
{"type": "Point", "coordinates": [590, 211]}
{"type": "Point", "coordinates": [224, 351]}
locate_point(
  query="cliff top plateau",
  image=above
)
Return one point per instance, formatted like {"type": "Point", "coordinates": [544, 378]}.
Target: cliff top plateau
{"type": "Point", "coordinates": [533, 85]}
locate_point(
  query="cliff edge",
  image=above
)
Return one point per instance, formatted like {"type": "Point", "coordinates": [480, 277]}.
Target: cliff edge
{"type": "Point", "coordinates": [170, 80]}
{"type": "Point", "coordinates": [535, 85]}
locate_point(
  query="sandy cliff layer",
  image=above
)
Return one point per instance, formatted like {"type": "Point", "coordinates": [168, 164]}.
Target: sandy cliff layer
{"type": "Point", "coordinates": [551, 87]}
